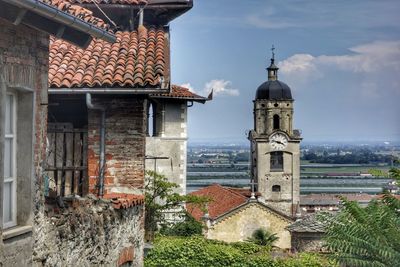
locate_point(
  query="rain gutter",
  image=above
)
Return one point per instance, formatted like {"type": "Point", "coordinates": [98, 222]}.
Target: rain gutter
{"type": "Point", "coordinates": [111, 91]}
{"type": "Point", "coordinates": [64, 18]}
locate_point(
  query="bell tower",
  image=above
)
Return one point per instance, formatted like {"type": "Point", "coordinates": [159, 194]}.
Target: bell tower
{"type": "Point", "coordinates": [275, 145]}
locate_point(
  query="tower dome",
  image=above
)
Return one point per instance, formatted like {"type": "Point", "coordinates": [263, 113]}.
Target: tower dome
{"type": "Point", "coordinates": [273, 89]}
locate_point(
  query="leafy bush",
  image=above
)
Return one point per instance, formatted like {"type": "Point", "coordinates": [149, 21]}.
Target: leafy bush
{"type": "Point", "coordinates": [188, 227]}
{"type": "Point", "coordinates": [263, 237]}
{"type": "Point", "coordinates": [196, 251]}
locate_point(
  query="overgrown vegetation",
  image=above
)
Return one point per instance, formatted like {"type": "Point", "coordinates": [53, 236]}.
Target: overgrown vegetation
{"type": "Point", "coordinates": [197, 251]}
{"type": "Point", "coordinates": [188, 227]}
{"type": "Point", "coordinates": [159, 198]}
{"type": "Point", "coordinates": [263, 237]}
{"type": "Point", "coordinates": [367, 236]}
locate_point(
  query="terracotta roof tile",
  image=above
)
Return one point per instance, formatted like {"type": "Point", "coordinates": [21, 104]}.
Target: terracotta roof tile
{"type": "Point", "coordinates": [223, 201]}
{"type": "Point", "coordinates": [124, 201]}
{"type": "Point", "coordinates": [129, 62]}
{"type": "Point", "coordinates": [78, 11]}
{"type": "Point", "coordinates": [180, 93]}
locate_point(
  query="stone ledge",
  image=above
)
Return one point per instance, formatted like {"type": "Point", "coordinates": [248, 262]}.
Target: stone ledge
{"type": "Point", "coordinates": [16, 231]}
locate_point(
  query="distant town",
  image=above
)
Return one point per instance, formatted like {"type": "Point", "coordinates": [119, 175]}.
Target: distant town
{"type": "Point", "coordinates": [325, 168]}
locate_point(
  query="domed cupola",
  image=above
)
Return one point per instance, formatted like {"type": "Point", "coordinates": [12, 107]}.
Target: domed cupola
{"type": "Point", "coordinates": [273, 89]}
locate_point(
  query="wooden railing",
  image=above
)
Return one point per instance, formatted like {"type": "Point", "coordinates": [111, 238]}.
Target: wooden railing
{"type": "Point", "coordinates": [66, 160]}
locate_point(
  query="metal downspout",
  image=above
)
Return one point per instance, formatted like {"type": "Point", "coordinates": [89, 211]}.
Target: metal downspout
{"type": "Point", "coordinates": [102, 161]}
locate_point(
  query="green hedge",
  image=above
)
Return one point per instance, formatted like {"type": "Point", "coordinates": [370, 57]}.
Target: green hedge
{"type": "Point", "coordinates": [196, 251]}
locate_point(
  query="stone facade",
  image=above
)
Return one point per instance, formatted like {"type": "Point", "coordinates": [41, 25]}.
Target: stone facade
{"type": "Point", "coordinates": [23, 71]}
{"type": "Point", "coordinates": [89, 233]}
{"type": "Point", "coordinates": [311, 241]}
{"type": "Point", "coordinates": [170, 140]}
{"type": "Point", "coordinates": [239, 224]}
{"type": "Point", "coordinates": [273, 140]}
{"type": "Point", "coordinates": [93, 231]}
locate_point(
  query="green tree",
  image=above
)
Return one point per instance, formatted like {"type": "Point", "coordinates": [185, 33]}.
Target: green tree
{"type": "Point", "coordinates": [263, 237]}
{"type": "Point", "coordinates": [366, 236]}
{"type": "Point", "coordinates": [395, 174]}
{"type": "Point", "coordinates": [188, 227]}
{"type": "Point", "coordinates": [160, 197]}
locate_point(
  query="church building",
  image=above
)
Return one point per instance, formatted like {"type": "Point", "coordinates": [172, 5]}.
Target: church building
{"type": "Point", "coordinates": [272, 202]}
{"type": "Point", "coordinates": [275, 145]}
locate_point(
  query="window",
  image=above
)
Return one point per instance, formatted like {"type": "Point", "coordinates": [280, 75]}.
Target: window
{"type": "Point", "coordinates": [276, 161]}
{"type": "Point", "coordinates": [276, 122]}
{"type": "Point", "coordinates": [10, 170]}
{"type": "Point", "coordinates": [276, 188]}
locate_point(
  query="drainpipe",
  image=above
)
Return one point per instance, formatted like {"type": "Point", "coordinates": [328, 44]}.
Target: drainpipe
{"type": "Point", "coordinates": [102, 161]}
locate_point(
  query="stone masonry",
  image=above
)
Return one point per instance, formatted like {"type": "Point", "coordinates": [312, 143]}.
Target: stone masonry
{"type": "Point", "coordinates": [89, 233]}
{"type": "Point", "coordinates": [24, 65]}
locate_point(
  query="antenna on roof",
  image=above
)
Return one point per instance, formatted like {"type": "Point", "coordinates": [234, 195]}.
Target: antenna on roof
{"type": "Point", "coordinates": [104, 13]}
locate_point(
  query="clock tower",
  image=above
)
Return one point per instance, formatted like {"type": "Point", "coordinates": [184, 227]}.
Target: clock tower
{"type": "Point", "coordinates": [275, 145]}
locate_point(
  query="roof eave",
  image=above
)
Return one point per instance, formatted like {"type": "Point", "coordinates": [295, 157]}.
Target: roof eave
{"type": "Point", "coordinates": [52, 20]}
{"type": "Point", "coordinates": [105, 91]}
{"type": "Point", "coordinates": [194, 99]}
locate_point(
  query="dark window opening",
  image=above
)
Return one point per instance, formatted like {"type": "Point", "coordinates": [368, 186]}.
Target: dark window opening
{"type": "Point", "coordinates": [276, 161]}
{"type": "Point", "coordinates": [276, 188]}
{"type": "Point", "coordinates": [276, 122]}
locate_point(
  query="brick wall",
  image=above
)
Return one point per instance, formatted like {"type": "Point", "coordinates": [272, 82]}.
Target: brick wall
{"type": "Point", "coordinates": [125, 145]}
{"type": "Point", "coordinates": [24, 64]}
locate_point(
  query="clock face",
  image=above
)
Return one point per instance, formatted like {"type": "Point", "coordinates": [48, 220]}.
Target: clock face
{"type": "Point", "coordinates": [278, 141]}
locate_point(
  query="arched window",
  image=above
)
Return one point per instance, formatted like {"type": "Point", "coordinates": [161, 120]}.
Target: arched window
{"type": "Point", "coordinates": [276, 188]}
{"type": "Point", "coordinates": [276, 161]}
{"type": "Point", "coordinates": [276, 122]}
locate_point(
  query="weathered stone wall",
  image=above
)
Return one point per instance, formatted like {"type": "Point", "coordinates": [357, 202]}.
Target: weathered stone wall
{"type": "Point", "coordinates": [125, 145]}
{"type": "Point", "coordinates": [24, 66]}
{"type": "Point", "coordinates": [240, 225]}
{"type": "Point", "coordinates": [89, 233]}
{"type": "Point", "coordinates": [308, 242]}
{"type": "Point", "coordinates": [173, 144]}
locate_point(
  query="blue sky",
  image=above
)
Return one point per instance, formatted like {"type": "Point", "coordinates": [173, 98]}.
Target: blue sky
{"type": "Point", "coordinates": [341, 59]}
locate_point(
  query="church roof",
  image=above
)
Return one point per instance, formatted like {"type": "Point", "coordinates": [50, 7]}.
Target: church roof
{"type": "Point", "coordinates": [222, 201]}
{"type": "Point", "coordinates": [308, 224]}
{"type": "Point", "coordinates": [225, 201]}
{"type": "Point", "coordinates": [274, 90]}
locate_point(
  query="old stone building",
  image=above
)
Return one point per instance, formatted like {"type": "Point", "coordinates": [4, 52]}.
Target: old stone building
{"type": "Point", "coordinates": [274, 197]}
{"type": "Point", "coordinates": [25, 27]}
{"type": "Point", "coordinates": [233, 215]}
{"type": "Point", "coordinates": [275, 145]}
{"type": "Point", "coordinates": [94, 182]}
{"type": "Point", "coordinates": [166, 144]}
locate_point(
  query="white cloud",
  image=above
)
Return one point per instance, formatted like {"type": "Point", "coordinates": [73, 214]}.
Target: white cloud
{"type": "Point", "coordinates": [189, 86]}
{"type": "Point", "coordinates": [365, 58]}
{"type": "Point", "coordinates": [268, 19]}
{"type": "Point", "coordinates": [219, 87]}
{"type": "Point", "coordinates": [372, 66]}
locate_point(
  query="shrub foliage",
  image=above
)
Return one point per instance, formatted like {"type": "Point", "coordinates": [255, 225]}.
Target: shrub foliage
{"type": "Point", "coordinates": [196, 251]}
